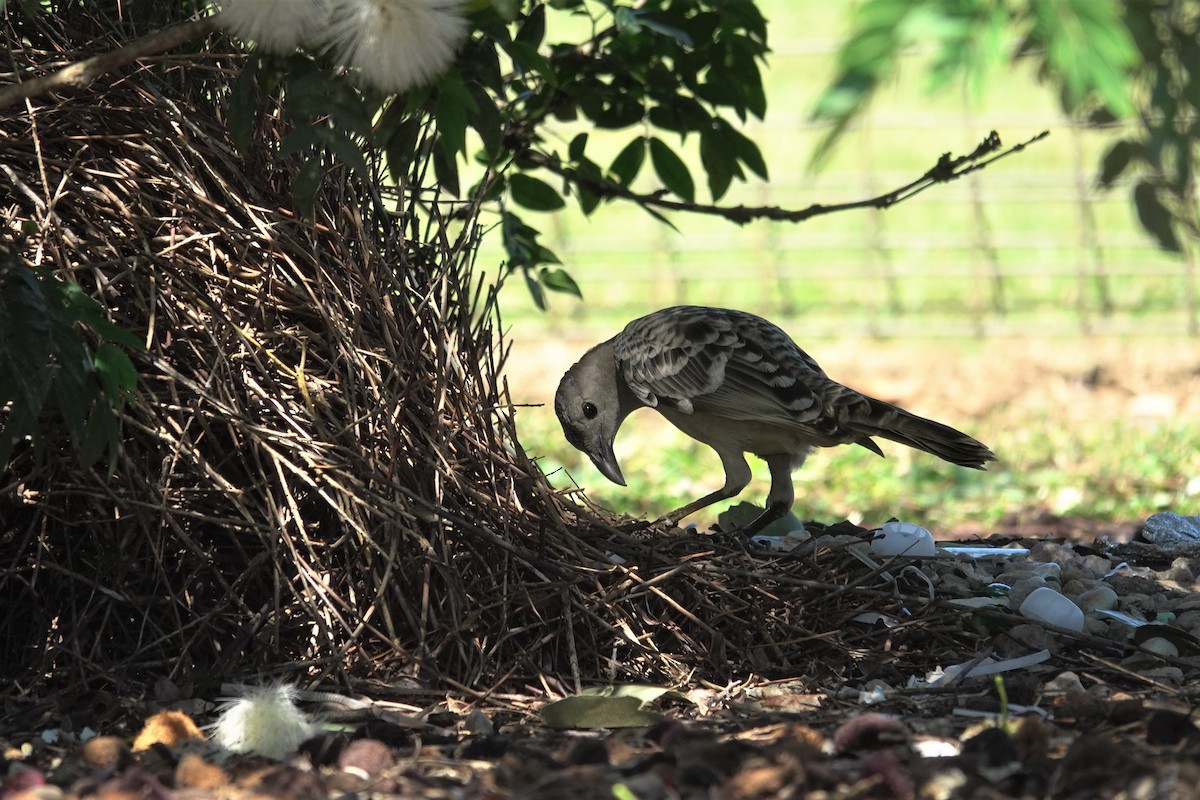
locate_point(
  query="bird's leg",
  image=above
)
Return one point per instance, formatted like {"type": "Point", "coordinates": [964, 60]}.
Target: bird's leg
{"type": "Point", "coordinates": [782, 494]}
{"type": "Point", "coordinates": [737, 477]}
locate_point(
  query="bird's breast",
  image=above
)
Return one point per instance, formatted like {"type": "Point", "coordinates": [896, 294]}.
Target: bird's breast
{"type": "Point", "coordinates": [747, 436]}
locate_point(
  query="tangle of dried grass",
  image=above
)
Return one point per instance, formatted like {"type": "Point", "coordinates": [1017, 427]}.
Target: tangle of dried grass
{"type": "Point", "coordinates": [320, 476]}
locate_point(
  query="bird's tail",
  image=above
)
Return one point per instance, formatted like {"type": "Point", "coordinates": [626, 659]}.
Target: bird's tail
{"type": "Point", "coordinates": [890, 422]}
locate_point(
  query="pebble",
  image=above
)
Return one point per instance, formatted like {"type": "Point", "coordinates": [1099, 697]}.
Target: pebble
{"type": "Point", "coordinates": [1160, 646]}
{"type": "Point", "coordinates": [106, 752]}
{"type": "Point", "coordinates": [1172, 531]}
{"type": "Point", "coordinates": [1102, 597]}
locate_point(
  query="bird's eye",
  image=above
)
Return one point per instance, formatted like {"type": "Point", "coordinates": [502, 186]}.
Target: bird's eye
{"type": "Point", "coordinates": [590, 411]}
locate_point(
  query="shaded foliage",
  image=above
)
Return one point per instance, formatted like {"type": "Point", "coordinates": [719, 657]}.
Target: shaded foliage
{"type": "Point", "coordinates": [674, 74]}
{"type": "Point", "coordinates": [1108, 61]}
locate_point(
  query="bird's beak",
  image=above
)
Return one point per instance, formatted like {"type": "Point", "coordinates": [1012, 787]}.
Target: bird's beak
{"type": "Point", "coordinates": [606, 461]}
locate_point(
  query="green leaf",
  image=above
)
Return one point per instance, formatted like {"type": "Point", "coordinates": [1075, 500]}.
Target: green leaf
{"type": "Point", "coordinates": [744, 72]}
{"type": "Point", "coordinates": [87, 311]}
{"type": "Point", "coordinates": [557, 280]}
{"type": "Point", "coordinates": [717, 160]}
{"type": "Point", "coordinates": [533, 28]}
{"type": "Point", "coordinates": [451, 110]}
{"type": "Point", "coordinates": [589, 712]}
{"type": "Point", "coordinates": [401, 148]}
{"type": "Point", "coordinates": [1188, 48]}
{"type": "Point", "coordinates": [26, 368]}
{"type": "Point", "coordinates": [535, 290]}
{"type": "Point", "coordinates": [627, 21]}
{"type": "Point", "coordinates": [629, 161]}
{"type": "Point", "coordinates": [1155, 217]}
{"type": "Point", "coordinates": [846, 96]}
{"type": "Point", "coordinates": [680, 113]}
{"type": "Point", "coordinates": [671, 170]}
{"type": "Point", "coordinates": [485, 119]}
{"type": "Point", "coordinates": [116, 373]}
{"type": "Point", "coordinates": [73, 390]}
{"type": "Point", "coordinates": [304, 188]}
{"type": "Point", "coordinates": [242, 107]}
{"type": "Point", "coordinates": [101, 433]}
{"type": "Point", "coordinates": [302, 138]}
{"type": "Point", "coordinates": [619, 706]}
{"type": "Point", "coordinates": [1116, 160]}
{"type": "Point", "coordinates": [590, 175]}
{"type": "Point", "coordinates": [534, 194]}
{"type": "Point", "coordinates": [744, 149]}
{"type": "Point", "coordinates": [507, 9]}
{"type": "Point", "coordinates": [577, 147]}
{"type": "Point", "coordinates": [1089, 47]}
{"type": "Point", "coordinates": [678, 34]}
{"type": "Point", "coordinates": [348, 153]}
{"type": "Point", "coordinates": [530, 60]}
{"type": "Point", "coordinates": [309, 89]}
{"type": "Point", "coordinates": [445, 168]}
{"type": "Point", "coordinates": [45, 362]}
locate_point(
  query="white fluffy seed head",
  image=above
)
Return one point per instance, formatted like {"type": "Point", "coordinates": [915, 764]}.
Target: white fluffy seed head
{"type": "Point", "coordinates": [265, 721]}
{"type": "Point", "coordinates": [279, 26]}
{"type": "Point", "coordinates": [396, 44]}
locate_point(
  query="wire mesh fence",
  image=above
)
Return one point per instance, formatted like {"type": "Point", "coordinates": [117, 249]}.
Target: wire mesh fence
{"type": "Point", "coordinates": [1029, 246]}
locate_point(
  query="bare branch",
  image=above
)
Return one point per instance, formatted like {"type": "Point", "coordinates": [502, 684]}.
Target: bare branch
{"type": "Point", "coordinates": [946, 169]}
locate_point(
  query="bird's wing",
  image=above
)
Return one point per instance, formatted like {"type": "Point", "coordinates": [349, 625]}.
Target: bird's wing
{"type": "Point", "coordinates": [730, 364]}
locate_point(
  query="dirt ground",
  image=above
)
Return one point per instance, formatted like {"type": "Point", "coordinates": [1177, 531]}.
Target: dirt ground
{"type": "Point", "coordinates": [1073, 715]}
{"type": "Point", "coordinates": [1099, 718]}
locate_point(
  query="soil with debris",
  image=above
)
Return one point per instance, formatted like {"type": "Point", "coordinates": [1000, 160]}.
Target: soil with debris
{"type": "Point", "coordinates": [948, 690]}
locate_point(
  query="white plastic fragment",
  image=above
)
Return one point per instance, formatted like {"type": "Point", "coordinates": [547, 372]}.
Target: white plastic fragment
{"type": "Point", "coordinates": [903, 539]}
{"type": "Point", "coordinates": [874, 618]}
{"type": "Point", "coordinates": [1119, 568]}
{"type": "Point", "coordinates": [987, 666]}
{"type": "Point", "coordinates": [872, 695]}
{"type": "Point", "coordinates": [1049, 606]}
{"type": "Point", "coordinates": [1012, 710]}
{"type": "Point", "coordinates": [1121, 616]}
{"type": "Point", "coordinates": [982, 552]}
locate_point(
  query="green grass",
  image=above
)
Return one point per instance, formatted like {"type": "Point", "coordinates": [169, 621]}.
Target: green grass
{"type": "Point", "coordinates": [1119, 474]}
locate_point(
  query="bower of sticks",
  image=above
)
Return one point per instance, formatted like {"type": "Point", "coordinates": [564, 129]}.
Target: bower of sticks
{"type": "Point", "coordinates": [320, 479]}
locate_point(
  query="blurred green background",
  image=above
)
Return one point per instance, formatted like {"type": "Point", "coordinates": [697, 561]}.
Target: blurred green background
{"type": "Point", "coordinates": [1021, 304]}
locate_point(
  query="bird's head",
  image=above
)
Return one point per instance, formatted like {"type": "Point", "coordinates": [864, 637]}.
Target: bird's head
{"type": "Point", "coordinates": [591, 403]}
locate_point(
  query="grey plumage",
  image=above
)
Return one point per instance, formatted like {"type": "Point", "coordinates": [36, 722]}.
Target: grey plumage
{"type": "Point", "coordinates": [739, 384]}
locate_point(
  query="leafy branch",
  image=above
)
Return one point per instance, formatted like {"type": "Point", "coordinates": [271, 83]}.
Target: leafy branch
{"type": "Point", "coordinates": [47, 363]}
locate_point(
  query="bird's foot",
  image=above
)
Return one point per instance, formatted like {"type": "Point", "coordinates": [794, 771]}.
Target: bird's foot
{"type": "Point", "coordinates": [773, 512]}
